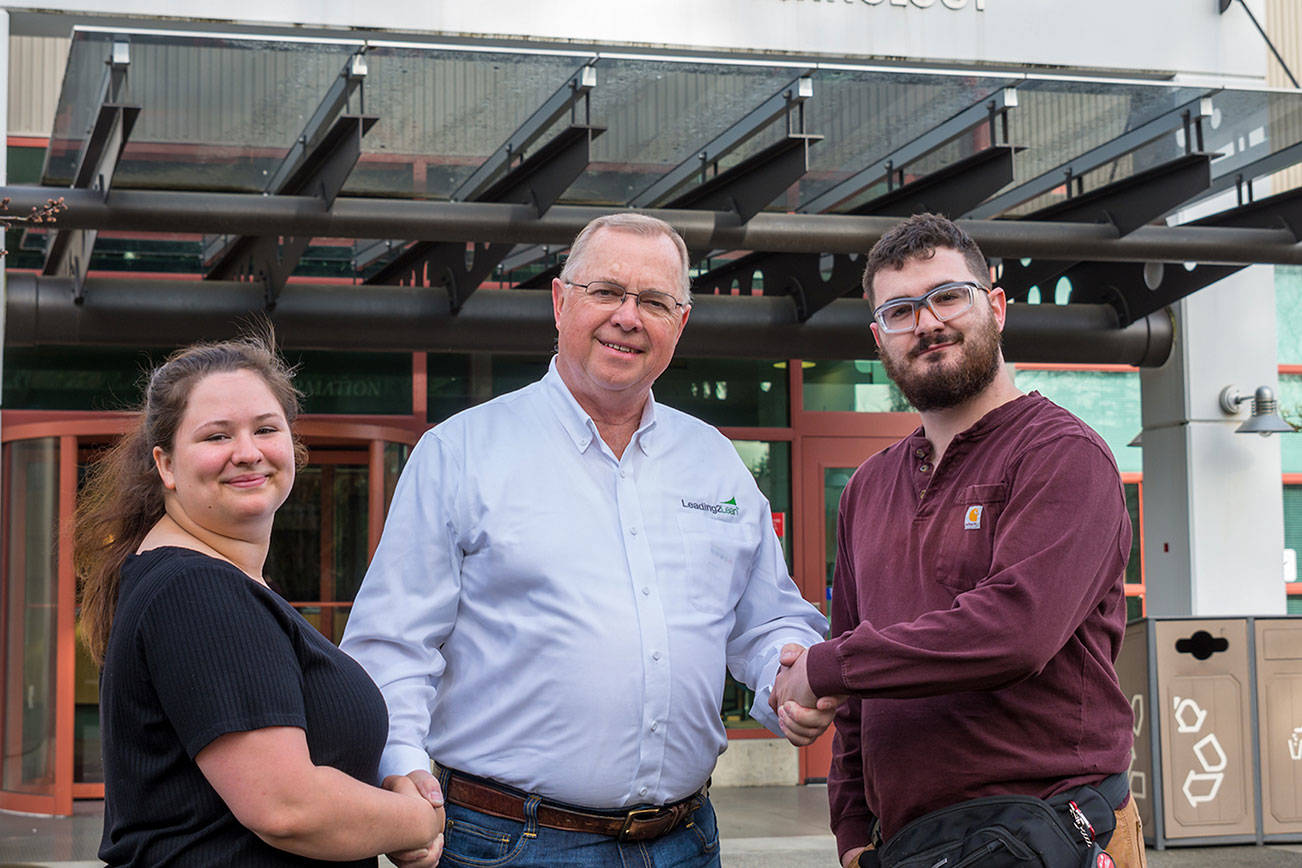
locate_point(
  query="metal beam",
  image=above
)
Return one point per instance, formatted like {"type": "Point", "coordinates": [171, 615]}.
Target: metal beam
{"type": "Point", "coordinates": [134, 312]}
{"type": "Point", "coordinates": [992, 110]}
{"type": "Point", "coordinates": [791, 95]}
{"type": "Point", "coordinates": [1240, 171]}
{"type": "Point", "coordinates": [797, 275]}
{"type": "Point", "coordinates": [952, 191]}
{"type": "Point", "coordinates": [746, 188]}
{"type": "Point", "coordinates": [317, 164]}
{"type": "Point", "coordinates": [536, 183]}
{"type": "Point", "coordinates": [68, 251]}
{"type": "Point", "coordinates": [320, 125]}
{"type": "Point", "coordinates": [270, 259]}
{"type": "Point", "coordinates": [170, 212]}
{"type": "Point", "coordinates": [812, 285]}
{"type": "Point", "coordinates": [577, 87]}
{"type": "Point", "coordinates": [1188, 116]}
{"type": "Point", "coordinates": [1126, 205]}
{"type": "Point", "coordinates": [1137, 290]}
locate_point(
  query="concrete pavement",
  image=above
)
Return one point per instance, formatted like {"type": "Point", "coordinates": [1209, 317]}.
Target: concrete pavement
{"type": "Point", "coordinates": [760, 827]}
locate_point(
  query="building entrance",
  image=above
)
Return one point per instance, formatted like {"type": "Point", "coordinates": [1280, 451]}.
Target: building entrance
{"type": "Point", "coordinates": [827, 464]}
{"type": "Point", "coordinates": [49, 708]}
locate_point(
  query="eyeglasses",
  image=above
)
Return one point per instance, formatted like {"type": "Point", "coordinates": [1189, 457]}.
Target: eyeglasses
{"type": "Point", "coordinates": [605, 294]}
{"type": "Point", "coordinates": [945, 302]}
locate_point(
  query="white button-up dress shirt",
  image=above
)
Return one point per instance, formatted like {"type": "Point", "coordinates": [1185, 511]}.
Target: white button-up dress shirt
{"type": "Point", "coordinates": [546, 615]}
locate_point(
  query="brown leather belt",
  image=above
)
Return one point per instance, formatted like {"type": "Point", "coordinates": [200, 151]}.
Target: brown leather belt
{"type": "Point", "coordinates": [635, 824]}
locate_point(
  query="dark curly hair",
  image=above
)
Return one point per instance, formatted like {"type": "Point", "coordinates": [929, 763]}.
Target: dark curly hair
{"type": "Point", "coordinates": [917, 238]}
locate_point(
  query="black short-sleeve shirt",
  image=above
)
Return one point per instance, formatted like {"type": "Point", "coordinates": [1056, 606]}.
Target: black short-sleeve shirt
{"type": "Point", "coordinates": [198, 650]}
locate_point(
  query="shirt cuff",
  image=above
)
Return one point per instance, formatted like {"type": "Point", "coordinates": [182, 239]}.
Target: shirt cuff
{"type": "Point", "coordinates": [823, 669]}
{"type": "Point", "coordinates": [851, 832]}
{"type": "Point", "coordinates": [399, 759]}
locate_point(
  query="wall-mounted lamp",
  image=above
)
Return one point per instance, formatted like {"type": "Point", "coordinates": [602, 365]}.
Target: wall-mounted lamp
{"type": "Point", "coordinates": [1265, 419]}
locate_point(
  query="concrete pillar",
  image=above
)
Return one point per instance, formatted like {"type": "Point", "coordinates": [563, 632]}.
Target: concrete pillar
{"type": "Point", "coordinates": [1213, 503]}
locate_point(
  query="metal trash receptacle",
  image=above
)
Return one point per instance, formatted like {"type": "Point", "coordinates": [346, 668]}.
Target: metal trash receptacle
{"type": "Point", "coordinates": [1279, 729]}
{"type": "Point", "coordinates": [1190, 685]}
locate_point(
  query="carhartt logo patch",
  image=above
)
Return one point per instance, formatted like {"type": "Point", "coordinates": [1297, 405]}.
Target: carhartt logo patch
{"type": "Point", "coordinates": [972, 521]}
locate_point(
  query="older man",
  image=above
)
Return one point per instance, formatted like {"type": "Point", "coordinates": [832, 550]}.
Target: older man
{"type": "Point", "coordinates": [977, 605]}
{"type": "Point", "coordinates": [564, 575]}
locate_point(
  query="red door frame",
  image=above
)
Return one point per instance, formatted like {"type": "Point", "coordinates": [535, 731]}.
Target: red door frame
{"type": "Point", "coordinates": [70, 427]}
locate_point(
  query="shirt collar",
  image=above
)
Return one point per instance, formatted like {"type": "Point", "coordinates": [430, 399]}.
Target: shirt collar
{"type": "Point", "coordinates": [579, 425]}
{"type": "Point", "coordinates": [991, 421]}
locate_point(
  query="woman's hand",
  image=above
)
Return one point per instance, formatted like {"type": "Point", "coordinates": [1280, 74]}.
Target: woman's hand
{"type": "Point", "coordinates": [424, 786]}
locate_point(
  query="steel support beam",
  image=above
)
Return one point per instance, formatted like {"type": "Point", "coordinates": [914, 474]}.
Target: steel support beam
{"type": "Point", "coordinates": [992, 110]}
{"type": "Point", "coordinates": [1240, 172]}
{"type": "Point", "coordinates": [317, 164]}
{"type": "Point", "coordinates": [577, 88]}
{"type": "Point", "coordinates": [68, 251]}
{"type": "Point", "coordinates": [1126, 205]}
{"type": "Point", "coordinates": [170, 212]}
{"type": "Point", "coordinates": [950, 190]}
{"type": "Point", "coordinates": [536, 183]}
{"type": "Point", "coordinates": [746, 188]}
{"type": "Point", "coordinates": [1188, 116]}
{"type": "Point", "coordinates": [134, 312]}
{"type": "Point", "coordinates": [797, 275]}
{"type": "Point", "coordinates": [953, 191]}
{"type": "Point", "coordinates": [791, 96]}
{"type": "Point", "coordinates": [270, 259]}
{"type": "Point", "coordinates": [1138, 289]}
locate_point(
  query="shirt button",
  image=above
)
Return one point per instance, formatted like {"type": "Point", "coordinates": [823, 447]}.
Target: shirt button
{"type": "Point", "coordinates": [921, 453]}
{"type": "Point", "coordinates": [922, 493]}
{"type": "Point", "coordinates": [646, 592]}
{"type": "Point", "coordinates": [925, 468]}
{"type": "Point", "coordinates": [642, 792]}
{"type": "Point", "coordinates": [633, 530]}
{"type": "Point", "coordinates": [654, 725]}
{"type": "Point", "coordinates": [655, 655]}
{"type": "Point", "coordinates": [623, 474]}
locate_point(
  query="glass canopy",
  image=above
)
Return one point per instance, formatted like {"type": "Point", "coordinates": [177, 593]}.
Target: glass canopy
{"type": "Point", "coordinates": [219, 113]}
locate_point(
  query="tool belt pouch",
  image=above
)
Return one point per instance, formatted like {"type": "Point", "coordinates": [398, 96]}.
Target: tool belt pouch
{"type": "Point", "coordinates": [1068, 831]}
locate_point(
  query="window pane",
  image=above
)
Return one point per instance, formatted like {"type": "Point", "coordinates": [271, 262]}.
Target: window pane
{"type": "Point", "coordinates": [727, 392]}
{"type": "Point", "coordinates": [1134, 568]}
{"type": "Point", "coordinates": [31, 475]}
{"type": "Point", "coordinates": [770, 464]}
{"type": "Point", "coordinates": [1107, 401]}
{"type": "Point", "coordinates": [851, 386]}
{"type": "Point", "coordinates": [1292, 529]}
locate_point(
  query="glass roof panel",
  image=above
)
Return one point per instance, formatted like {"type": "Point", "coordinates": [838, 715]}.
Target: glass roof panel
{"type": "Point", "coordinates": [219, 112]}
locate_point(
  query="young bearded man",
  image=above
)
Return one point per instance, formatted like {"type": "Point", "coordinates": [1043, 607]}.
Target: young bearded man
{"type": "Point", "coordinates": [978, 605]}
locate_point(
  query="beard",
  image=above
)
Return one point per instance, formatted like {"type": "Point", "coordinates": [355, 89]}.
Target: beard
{"type": "Point", "coordinates": [940, 387]}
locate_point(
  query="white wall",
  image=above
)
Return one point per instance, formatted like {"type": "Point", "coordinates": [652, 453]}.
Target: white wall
{"type": "Point", "coordinates": [1138, 36]}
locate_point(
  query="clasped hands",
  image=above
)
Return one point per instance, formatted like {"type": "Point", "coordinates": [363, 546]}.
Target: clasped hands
{"type": "Point", "coordinates": [802, 715]}
{"type": "Point", "coordinates": [423, 785]}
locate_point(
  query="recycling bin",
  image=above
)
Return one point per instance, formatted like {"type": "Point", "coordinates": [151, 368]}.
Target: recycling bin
{"type": "Point", "coordinates": [1279, 730]}
{"type": "Point", "coordinates": [1190, 686]}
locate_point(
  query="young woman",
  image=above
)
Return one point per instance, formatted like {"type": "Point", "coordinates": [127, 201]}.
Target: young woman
{"type": "Point", "coordinates": [234, 733]}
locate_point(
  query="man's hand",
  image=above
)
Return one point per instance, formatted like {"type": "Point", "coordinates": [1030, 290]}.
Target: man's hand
{"type": "Point", "coordinates": [802, 715]}
{"type": "Point", "coordinates": [851, 857]}
{"type": "Point", "coordinates": [423, 785]}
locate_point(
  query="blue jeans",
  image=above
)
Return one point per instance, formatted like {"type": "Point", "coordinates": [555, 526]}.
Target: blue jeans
{"type": "Point", "coordinates": [482, 841]}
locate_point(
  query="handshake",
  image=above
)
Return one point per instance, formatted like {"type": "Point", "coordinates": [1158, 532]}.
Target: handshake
{"type": "Point", "coordinates": [802, 715]}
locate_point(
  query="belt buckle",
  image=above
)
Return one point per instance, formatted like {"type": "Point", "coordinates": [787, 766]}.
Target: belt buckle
{"type": "Point", "coordinates": [638, 815]}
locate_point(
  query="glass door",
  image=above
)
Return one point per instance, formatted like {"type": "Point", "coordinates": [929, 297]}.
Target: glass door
{"type": "Point", "coordinates": [827, 463]}
{"type": "Point", "coordinates": [35, 662]}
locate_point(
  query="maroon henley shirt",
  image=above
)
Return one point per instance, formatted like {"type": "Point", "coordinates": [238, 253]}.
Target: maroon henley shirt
{"type": "Point", "coordinates": [977, 612]}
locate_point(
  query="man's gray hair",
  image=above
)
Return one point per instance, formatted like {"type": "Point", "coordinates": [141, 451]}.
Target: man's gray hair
{"type": "Point", "coordinates": [637, 224]}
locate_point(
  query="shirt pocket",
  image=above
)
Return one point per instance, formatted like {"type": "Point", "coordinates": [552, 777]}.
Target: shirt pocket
{"type": "Point", "coordinates": [717, 557]}
{"type": "Point", "coordinates": [965, 534]}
